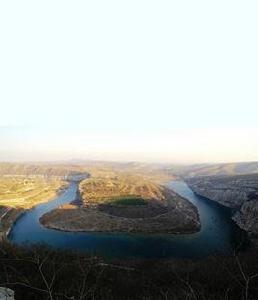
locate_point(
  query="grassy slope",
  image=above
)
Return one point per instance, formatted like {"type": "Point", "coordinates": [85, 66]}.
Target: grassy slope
{"type": "Point", "coordinates": [21, 192]}
{"type": "Point", "coordinates": [25, 192]}
{"type": "Point", "coordinates": [119, 185]}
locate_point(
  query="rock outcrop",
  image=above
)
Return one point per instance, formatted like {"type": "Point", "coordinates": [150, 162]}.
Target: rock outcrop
{"type": "Point", "coordinates": [247, 218]}
{"type": "Point", "coordinates": [6, 294]}
{"type": "Point", "coordinates": [237, 192]}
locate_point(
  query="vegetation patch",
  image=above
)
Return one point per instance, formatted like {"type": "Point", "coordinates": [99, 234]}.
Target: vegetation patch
{"type": "Point", "coordinates": [129, 200]}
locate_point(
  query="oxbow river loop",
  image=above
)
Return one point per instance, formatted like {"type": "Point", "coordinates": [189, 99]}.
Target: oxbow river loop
{"type": "Point", "coordinates": [218, 234]}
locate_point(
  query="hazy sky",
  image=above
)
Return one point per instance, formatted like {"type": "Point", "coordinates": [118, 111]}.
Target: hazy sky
{"type": "Point", "coordinates": [136, 80]}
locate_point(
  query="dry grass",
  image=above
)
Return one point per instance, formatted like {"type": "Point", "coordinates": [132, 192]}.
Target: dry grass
{"type": "Point", "coordinates": [106, 186]}
{"type": "Point", "coordinates": [18, 193]}
{"type": "Point", "coordinates": [25, 192]}
{"type": "Point", "coordinates": [155, 175]}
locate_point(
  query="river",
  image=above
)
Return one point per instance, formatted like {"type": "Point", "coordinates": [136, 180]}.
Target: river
{"type": "Point", "coordinates": [218, 234]}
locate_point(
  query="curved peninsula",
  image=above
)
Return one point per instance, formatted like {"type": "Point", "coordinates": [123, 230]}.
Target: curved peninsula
{"type": "Point", "coordinates": [124, 203]}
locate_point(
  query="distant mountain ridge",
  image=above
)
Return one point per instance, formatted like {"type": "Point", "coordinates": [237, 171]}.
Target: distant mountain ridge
{"type": "Point", "coordinates": [163, 170]}
{"type": "Point", "coordinates": [218, 169]}
{"type": "Point", "coordinates": [40, 169]}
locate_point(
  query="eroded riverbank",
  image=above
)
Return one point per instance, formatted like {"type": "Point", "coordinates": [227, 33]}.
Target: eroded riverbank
{"type": "Point", "coordinates": [239, 193]}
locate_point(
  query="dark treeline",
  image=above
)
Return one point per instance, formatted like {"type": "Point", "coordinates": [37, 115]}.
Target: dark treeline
{"type": "Point", "coordinates": [43, 273]}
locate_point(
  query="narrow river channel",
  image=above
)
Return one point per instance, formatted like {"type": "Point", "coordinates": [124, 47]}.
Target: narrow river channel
{"type": "Point", "coordinates": [218, 233]}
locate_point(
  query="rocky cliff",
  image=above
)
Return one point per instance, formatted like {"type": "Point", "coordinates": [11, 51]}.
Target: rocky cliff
{"type": "Point", "coordinates": [237, 192]}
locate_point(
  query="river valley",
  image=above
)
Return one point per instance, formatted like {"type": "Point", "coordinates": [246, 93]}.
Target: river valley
{"type": "Point", "coordinates": [218, 234]}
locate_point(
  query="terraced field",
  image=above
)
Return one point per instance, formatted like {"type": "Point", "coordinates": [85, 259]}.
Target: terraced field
{"type": "Point", "coordinates": [25, 192]}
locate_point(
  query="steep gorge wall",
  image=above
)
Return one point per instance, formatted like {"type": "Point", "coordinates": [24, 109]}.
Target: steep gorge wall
{"type": "Point", "coordinates": [237, 192]}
